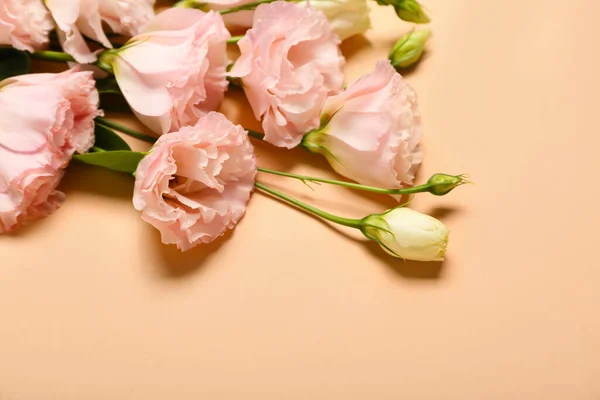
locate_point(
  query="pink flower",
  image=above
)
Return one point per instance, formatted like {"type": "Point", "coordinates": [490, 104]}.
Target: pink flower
{"type": "Point", "coordinates": [195, 183]}
{"type": "Point", "coordinates": [24, 24]}
{"type": "Point", "coordinates": [126, 17]}
{"type": "Point", "coordinates": [44, 119]}
{"type": "Point", "coordinates": [374, 130]}
{"type": "Point", "coordinates": [290, 62]}
{"type": "Point", "coordinates": [78, 18]}
{"type": "Point", "coordinates": [175, 70]}
{"type": "Point", "coordinates": [347, 17]}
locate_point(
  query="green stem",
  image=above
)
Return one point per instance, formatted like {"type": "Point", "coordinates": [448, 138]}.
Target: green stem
{"type": "Point", "coordinates": [59, 56]}
{"type": "Point", "coordinates": [121, 128]}
{"type": "Point", "coordinates": [56, 56]}
{"type": "Point", "coordinates": [95, 149]}
{"type": "Point", "coordinates": [256, 135]}
{"type": "Point", "coordinates": [234, 39]}
{"type": "Point", "coordinates": [415, 189]}
{"type": "Point", "coordinates": [353, 223]}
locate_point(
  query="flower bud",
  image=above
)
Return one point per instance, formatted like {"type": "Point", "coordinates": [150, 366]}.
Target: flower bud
{"type": "Point", "coordinates": [441, 184]}
{"type": "Point", "coordinates": [408, 234]}
{"type": "Point", "coordinates": [408, 10]}
{"type": "Point", "coordinates": [411, 11]}
{"type": "Point", "coordinates": [409, 48]}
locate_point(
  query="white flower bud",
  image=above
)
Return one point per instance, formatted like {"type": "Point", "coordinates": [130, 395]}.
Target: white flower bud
{"type": "Point", "coordinates": [408, 234]}
{"type": "Point", "coordinates": [347, 17]}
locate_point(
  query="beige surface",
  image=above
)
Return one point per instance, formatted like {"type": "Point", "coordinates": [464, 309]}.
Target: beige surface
{"type": "Point", "coordinates": [92, 306]}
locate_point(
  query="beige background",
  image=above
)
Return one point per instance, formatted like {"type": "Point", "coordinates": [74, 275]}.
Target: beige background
{"type": "Point", "coordinates": [92, 306]}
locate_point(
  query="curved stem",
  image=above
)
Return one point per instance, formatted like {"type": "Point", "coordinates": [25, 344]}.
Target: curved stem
{"type": "Point", "coordinates": [59, 56]}
{"type": "Point", "coordinates": [353, 223]}
{"type": "Point", "coordinates": [56, 56]}
{"type": "Point", "coordinates": [121, 128]}
{"type": "Point", "coordinates": [415, 189]}
{"type": "Point", "coordinates": [131, 132]}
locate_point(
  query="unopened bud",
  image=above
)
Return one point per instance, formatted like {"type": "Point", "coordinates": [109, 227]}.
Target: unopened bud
{"type": "Point", "coordinates": [409, 48]}
{"type": "Point", "coordinates": [440, 184]}
{"type": "Point", "coordinates": [410, 10]}
{"type": "Point", "coordinates": [408, 234]}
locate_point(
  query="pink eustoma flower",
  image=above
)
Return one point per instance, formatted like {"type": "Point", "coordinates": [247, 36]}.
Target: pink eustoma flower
{"type": "Point", "coordinates": [290, 62]}
{"type": "Point", "coordinates": [25, 24]}
{"type": "Point", "coordinates": [373, 131]}
{"type": "Point", "coordinates": [174, 72]}
{"type": "Point", "coordinates": [44, 120]}
{"type": "Point", "coordinates": [347, 17]}
{"type": "Point", "coordinates": [195, 183]}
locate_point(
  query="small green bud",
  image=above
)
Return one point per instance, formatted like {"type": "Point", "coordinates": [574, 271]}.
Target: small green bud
{"type": "Point", "coordinates": [442, 184]}
{"type": "Point", "coordinates": [410, 10]}
{"type": "Point", "coordinates": [409, 48]}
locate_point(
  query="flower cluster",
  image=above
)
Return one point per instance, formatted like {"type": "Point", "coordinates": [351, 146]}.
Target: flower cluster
{"type": "Point", "coordinates": [173, 69]}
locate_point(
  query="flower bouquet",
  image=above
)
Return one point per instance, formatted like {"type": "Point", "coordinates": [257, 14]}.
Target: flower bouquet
{"type": "Point", "coordinates": [196, 178]}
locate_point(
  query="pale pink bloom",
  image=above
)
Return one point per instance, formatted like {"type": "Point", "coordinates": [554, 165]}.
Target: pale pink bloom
{"type": "Point", "coordinates": [24, 24]}
{"type": "Point", "coordinates": [290, 62]}
{"type": "Point", "coordinates": [44, 119]}
{"type": "Point", "coordinates": [196, 182]}
{"type": "Point", "coordinates": [347, 17]}
{"type": "Point", "coordinates": [175, 70]}
{"type": "Point", "coordinates": [78, 18]}
{"type": "Point", "coordinates": [374, 130]}
{"type": "Point", "coordinates": [75, 18]}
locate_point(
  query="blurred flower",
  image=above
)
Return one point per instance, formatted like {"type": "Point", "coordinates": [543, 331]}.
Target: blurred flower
{"type": "Point", "coordinates": [409, 48]}
{"type": "Point", "coordinates": [24, 24]}
{"type": "Point", "coordinates": [408, 234]}
{"type": "Point", "coordinates": [290, 62]}
{"type": "Point", "coordinates": [175, 70]}
{"type": "Point", "coordinates": [371, 131]}
{"type": "Point", "coordinates": [195, 183]}
{"type": "Point", "coordinates": [44, 120]}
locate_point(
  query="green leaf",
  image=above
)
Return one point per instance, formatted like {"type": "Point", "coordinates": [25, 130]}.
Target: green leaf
{"type": "Point", "coordinates": [13, 62]}
{"type": "Point", "coordinates": [107, 139]}
{"type": "Point", "coordinates": [119, 160]}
